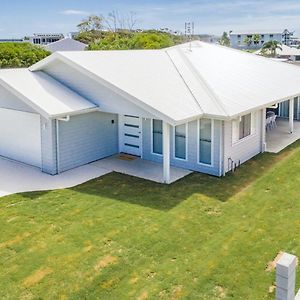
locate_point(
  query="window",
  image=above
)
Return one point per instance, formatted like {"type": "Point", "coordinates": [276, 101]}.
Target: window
{"type": "Point", "coordinates": [157, 136]}
{"type": "Point", "coordinates": [271, 36]}
{"type": "Point", "coordinates": [245, 126]}
{"type": "Point", "coordinates": [205, 141]}
{"type": "Point", "coordinates": [180, 141]}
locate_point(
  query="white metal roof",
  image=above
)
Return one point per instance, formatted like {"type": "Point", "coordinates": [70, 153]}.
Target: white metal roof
{"type": "Point", "coordinates": [148, 77]}
{"type": "Point", "coordinates": [66, 44]}
{"type": "Point", "coordinates": [43, 93]}
{"type": "Point", "coordinates": [210, 80]}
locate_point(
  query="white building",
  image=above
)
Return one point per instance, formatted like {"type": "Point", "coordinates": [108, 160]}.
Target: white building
{"type": "Point", "coordinates": [286, 52]}
{"type": "Point", "coordinates": [45, 38]}
{"type": "Point", "coordinates": [237, 38]}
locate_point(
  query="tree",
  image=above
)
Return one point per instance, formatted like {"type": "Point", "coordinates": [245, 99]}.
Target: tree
{"type": "Point", "coordinates": [20, 55]}
{"type": "Point", "coordinates": [91, 23]}
{"type": "Point", "coordinates": [137, 40]}
{"type": "Point", "coordinates": [225, 40]}
{"type": "Point", "coordinates": [256, 39]}
{"type": "Point", "coordinates": [248, 41]}
{"type": "Point", "coordinates": [119, 22]}
{"type": "Point", "coordinates": [269, 48]}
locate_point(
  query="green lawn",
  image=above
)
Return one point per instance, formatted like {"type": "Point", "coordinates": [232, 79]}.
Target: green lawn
{"type": "Point", "coordinates": [119, 237]}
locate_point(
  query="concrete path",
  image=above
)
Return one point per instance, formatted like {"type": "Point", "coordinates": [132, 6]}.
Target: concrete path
{"type": "Point", "coordinates": [279, 138]}
{"type": "Point", "coordinates": [16, 177]}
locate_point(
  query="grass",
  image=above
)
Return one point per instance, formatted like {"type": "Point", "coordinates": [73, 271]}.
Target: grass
{"type": "Point", "coordinates": [119, 237]}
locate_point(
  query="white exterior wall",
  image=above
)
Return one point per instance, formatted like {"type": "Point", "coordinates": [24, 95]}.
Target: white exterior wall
{"type": "Point", "coordinates": [245, 149]}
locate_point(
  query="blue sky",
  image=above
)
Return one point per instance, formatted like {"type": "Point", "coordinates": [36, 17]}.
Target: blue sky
{"type": "Point", "coordinates": [19, 17]}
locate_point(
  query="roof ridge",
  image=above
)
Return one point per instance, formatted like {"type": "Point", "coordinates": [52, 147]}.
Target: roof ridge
{"type": "Point", "coordinates": [202, 81]}
{"type": "Point", "coordinates": [185, 83]}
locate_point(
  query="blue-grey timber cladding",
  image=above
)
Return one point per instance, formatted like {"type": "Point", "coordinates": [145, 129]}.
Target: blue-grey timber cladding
{"type": "Point", "coordinates": [87, 138]}
{"type": "Point", "coordinates": [192, 158]}
{"type": "Point", "coordinates": [48, 137]}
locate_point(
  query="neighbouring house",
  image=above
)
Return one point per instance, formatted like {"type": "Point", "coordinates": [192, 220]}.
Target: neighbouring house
{"type": "Point", "coordinates": [44, 38]}
{"type": "Point", "coordinates": [201, 107]}
{"type": "Point", "coordinates": [286, 52]}
{"type": "Point", "coordinates": [66, 44]}
{"type": "Point", "coordinates": [238, 38]}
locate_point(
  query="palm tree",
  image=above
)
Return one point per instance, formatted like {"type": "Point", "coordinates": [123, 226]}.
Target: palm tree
{"type": "Point", "coordinates": [270, 47]}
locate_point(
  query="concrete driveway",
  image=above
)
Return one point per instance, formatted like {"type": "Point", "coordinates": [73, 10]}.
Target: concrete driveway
{"type": "Point", "coordinates": [16, 177]}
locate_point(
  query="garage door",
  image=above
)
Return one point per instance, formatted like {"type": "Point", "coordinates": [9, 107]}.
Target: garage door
{"type": "Point", "coordinates": [20, 136]}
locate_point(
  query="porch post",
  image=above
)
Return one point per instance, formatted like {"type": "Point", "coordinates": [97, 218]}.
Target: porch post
{"type": "Point", "coordinates": [166, 152]}
{"type": "Point", "coordinates": [291, 115]}
{"type": "Point", "coordinates": [263, 133]}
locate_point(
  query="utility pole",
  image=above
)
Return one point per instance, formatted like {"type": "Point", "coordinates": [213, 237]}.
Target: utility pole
{"type": "Point", "coordinates": [189, 32]}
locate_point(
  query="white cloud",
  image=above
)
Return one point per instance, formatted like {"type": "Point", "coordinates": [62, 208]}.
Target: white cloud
{"type": "Point", "coordinates": [75, 12]}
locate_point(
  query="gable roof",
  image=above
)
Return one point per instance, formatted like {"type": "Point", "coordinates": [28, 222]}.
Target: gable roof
{"type": "Point", "coordinates": [43, 93]}
{"type": "Point", "coordinates": [210, 80]}
{"type": "Point", "coordinates": [66, 44]}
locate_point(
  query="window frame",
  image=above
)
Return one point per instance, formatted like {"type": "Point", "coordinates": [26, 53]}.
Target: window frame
{"type": "Point", "coordinates": [252, 130]}
{"type": "Point", "coordinates": [186, 142]}
{"type": "Point", "coordinates": [212, 144]}
{"type": "Point", "coordinates": [152, 141]}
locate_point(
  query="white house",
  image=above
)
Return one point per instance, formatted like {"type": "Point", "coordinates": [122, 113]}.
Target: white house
{"type": "Point", "coordinates": [66, 44]}
{"type": "Point", "coordinates": [237, 38]}
{"type": "Point", "coordinates": [201, 109]}
{"type": "Point", "coordinates": [286, 52]}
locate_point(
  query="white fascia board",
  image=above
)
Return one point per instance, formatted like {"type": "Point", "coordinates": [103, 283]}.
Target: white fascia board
{"type": "Point", "coordinates": [39, 67]}
{"type": "Point", "coordinates": [75, 113]}
{"type": "Point", "coordinates": [24, 99]}
{"type": "Point", "coordinates": [233, 117]}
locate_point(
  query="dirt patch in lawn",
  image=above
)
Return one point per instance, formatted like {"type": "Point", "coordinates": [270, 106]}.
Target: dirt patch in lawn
{"type": "Point", "coordinates": [15, 240]}
{"type": "Point", "coordinates": [271, 266]}
{"type": "Point", "coordinates": [142, 296]}
{"type": "Point", "coordinates": [104, 262]}
{"type": "Point", "coordinates": [36, 277]}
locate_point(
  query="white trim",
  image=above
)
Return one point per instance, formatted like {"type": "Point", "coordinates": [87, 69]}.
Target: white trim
{"type": "Point", "coordinates": [151, 138]}
{"type": "Point", "coordinates": [253, 129]}
{"type": "Point", "coordinates": [291, 115]}
{"type": "Point", "coordinates": [212, 143]}
{"type": "Point", "coordinates": [166, 152]}
{"type": "Point", "coordinates": [186, 142]}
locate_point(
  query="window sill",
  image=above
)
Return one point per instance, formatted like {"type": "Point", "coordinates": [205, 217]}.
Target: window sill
{"type": "Point", "coordinates": [236, 143]}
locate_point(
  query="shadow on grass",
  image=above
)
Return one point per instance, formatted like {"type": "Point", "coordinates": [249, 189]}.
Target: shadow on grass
{"type": "Point", "coordinates": [165, 197]}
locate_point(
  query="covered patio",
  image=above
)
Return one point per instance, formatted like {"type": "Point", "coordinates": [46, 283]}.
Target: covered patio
{"type": "Point", "coordinates": [135, 166]}
{"type": "Point", "coordinates": [280, 137]}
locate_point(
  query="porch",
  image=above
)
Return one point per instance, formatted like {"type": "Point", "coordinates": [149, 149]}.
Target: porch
{"type": "Point", "coordinates": [280, 137]}
{"type": "Point", "coordinates": [135, 166]}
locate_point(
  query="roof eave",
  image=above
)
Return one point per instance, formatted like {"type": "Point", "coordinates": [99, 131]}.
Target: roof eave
{"type": "Point", "coordinates": [39, 66]}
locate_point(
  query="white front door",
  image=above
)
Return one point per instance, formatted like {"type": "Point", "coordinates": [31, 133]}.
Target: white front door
{"type": "Point", "coordinates": [130, 135]}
